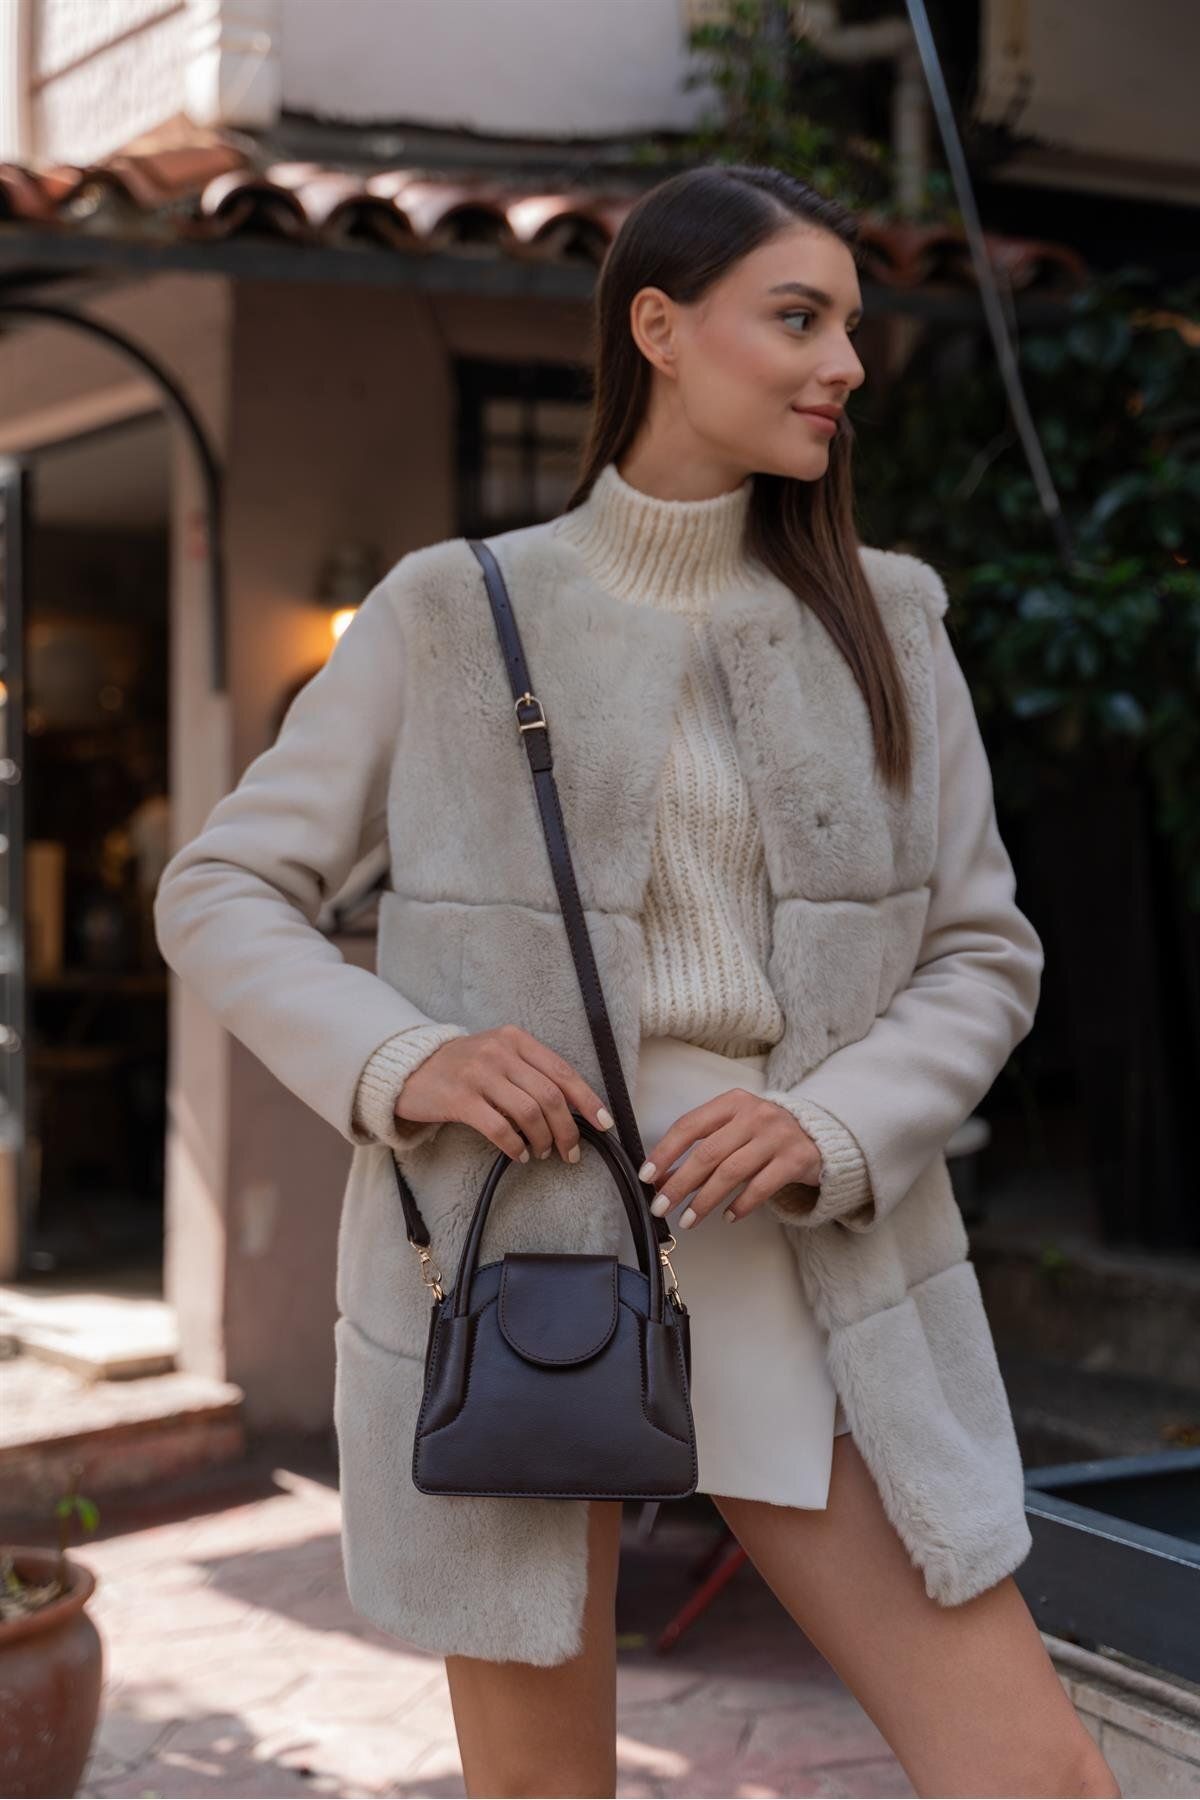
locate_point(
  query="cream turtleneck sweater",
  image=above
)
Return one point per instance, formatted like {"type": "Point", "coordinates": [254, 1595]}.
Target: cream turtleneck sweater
{"type": "Point", "coordinates": [707, 914]}
{"type": "Point", "coordinates": [708, 905]}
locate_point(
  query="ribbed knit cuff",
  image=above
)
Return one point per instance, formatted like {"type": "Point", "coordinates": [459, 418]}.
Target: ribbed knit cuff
{"type": "Point", "coordinates": [382, 1078]}
{"type": "Point", "coordinates": [844, 1191]}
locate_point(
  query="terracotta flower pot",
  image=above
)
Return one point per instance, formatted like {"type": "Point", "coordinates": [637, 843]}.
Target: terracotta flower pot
{"type": "Point", "coordinates": [51, 1663]}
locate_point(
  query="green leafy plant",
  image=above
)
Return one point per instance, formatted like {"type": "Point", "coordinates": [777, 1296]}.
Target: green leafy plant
{"type": "Point", "coordinates": [1094, 659]}
{"type": "Point", "coordinates": [780, 101]}
{"type": "Point", "coordinates": [19, 1597]}
{"type": "Point", "coordinates": [1052, 1263]}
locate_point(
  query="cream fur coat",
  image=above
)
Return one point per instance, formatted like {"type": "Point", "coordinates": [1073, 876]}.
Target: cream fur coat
{"type": "Point", "coordinates": [904, 966]}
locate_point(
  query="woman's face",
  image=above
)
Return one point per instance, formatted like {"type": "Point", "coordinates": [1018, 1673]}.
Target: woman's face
{"type": "Point", "coordinates": [734, 370]}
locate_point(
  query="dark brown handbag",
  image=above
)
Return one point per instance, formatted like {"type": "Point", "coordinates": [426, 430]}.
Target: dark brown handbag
{"type": "Point", "coordinates": [557, 1375]}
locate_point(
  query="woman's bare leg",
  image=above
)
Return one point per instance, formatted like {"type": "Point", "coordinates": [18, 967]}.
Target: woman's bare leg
{"type": "Point", "coordinates": [966, 1696]}
{"type": "Point", "coordinates": [531, 1730]}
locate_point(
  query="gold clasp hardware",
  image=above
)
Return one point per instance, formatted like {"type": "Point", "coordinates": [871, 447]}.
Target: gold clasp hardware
{"type": "Point", "coordinates": [528, 699]}
{"type": "Point", "coordinates": [664, 1252]}
{"type": "Point", "coordinates": [431, 1277]}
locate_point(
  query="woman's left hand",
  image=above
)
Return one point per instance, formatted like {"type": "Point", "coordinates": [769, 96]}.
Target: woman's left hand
{"type": "Point", "coordinates": [736, 1137]}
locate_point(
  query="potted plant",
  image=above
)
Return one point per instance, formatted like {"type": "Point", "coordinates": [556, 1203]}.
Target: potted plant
{"type": "Point", "coordinates": [51, 1661]}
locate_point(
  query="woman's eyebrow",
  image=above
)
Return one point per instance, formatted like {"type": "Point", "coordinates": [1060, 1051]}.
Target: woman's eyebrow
{"type": "Point", "coordinates": [809, 293]}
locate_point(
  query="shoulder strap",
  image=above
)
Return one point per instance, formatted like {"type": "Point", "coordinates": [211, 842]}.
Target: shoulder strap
{"type": "Point", "coordinates": [535, 735]}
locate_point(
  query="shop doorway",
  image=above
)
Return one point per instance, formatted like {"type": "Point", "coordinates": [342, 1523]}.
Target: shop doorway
{"type": "Point", "coordinates": [88, 732]}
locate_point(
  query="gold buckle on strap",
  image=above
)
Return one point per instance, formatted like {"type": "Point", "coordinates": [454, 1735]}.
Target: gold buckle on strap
{"type": "Point", "coordinates": [539, 724]}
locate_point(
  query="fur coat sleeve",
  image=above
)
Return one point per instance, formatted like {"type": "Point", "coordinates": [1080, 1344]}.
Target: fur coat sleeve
{"type": "Point", "coordinates": [235, 909]}
{"type": "Point", "coordinates": [902, 1090]}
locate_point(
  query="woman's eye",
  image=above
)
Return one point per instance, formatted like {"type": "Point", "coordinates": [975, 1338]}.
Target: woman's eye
{"type": "Point", "coordinates": [804, 313]}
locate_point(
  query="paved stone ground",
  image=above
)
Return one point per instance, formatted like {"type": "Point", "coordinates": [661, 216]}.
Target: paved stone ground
{"type": "Point", "coordinates": [235, 1665]}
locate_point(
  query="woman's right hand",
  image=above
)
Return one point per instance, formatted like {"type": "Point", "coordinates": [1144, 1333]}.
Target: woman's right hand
{"type": "Point", "coordinates": [508, 1085]}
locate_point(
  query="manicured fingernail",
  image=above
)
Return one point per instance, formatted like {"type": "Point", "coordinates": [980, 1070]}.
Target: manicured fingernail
{"type": "Point", "coordinates": [543, 1154]}
{"type": "Point", "coordinates": [659, 1206]}
{"type": "Point", "coordinates": [524, 1156]}
{"type": "Point", "coordinates": [730, 1215]}
{"type": "Point", "coordinates": [573, 1153]}
{"type": "Point", "coordinates": [687, 1217]}
{"type": "Point", "coordinates": [604, 1119]}
{"type": "Point", "coordinates": [646, 1171]}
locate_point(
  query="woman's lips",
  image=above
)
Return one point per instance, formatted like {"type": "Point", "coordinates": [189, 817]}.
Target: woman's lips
{"type": "Point", "coordinates": [827, 425]}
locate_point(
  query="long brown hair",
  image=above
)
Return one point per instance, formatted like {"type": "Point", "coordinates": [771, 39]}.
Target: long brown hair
{"type": "Point", "coordinates": [681, 236]}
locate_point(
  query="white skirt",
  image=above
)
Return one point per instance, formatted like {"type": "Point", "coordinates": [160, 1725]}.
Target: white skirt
{"type": "Point", "coordinates": [765, 1408]}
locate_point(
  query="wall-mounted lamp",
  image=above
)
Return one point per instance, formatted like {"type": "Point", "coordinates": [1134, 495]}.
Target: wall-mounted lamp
{"type": "Point", "coordinates": [347, 577]}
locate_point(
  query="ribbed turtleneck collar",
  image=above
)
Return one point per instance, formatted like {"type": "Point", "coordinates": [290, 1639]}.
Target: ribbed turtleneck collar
{"type": "Point", "coordinates": [675, 553]}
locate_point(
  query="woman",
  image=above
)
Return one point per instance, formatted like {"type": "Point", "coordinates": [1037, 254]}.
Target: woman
{"type": "Point", "coordinates": [781, 818]}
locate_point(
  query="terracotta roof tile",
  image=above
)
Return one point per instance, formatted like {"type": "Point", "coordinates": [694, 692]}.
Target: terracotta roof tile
{"type": "Point", "coordinates": [215, 192]}
{"type": "Point", "coordinates": [899, 254]}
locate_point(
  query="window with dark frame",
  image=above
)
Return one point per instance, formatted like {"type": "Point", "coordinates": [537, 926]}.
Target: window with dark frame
{"type": "Point", "coordinates": [520, 431]}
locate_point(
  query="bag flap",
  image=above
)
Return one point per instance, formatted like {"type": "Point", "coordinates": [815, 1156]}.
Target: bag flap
{"type": "Point", "coordinates": [557, 1308]}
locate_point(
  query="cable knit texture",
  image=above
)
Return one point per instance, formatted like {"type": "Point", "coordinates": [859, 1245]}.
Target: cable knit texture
{"type": "Point", "coordinates": [708, 905]}
{"type": "Point", "coordinates": [707, 916]}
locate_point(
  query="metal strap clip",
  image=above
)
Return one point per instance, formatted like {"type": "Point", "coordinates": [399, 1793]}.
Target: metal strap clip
{"type": "Point", "coordinates": [432, 1277]}
{"type": "Point", "coordinates": [538, 724]}
{"type": "Point", "coordinates": [664, 1252]}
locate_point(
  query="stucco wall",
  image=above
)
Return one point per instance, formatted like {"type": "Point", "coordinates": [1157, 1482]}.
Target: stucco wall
{"type": "Point", "coordinates": [85, 77]}
{"type": "Point", "coordinates": [341, 431]}
{"type": "Point", "coordinates": [571, 68]}
{"type": "Point", "coordinates": [100, 72]}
